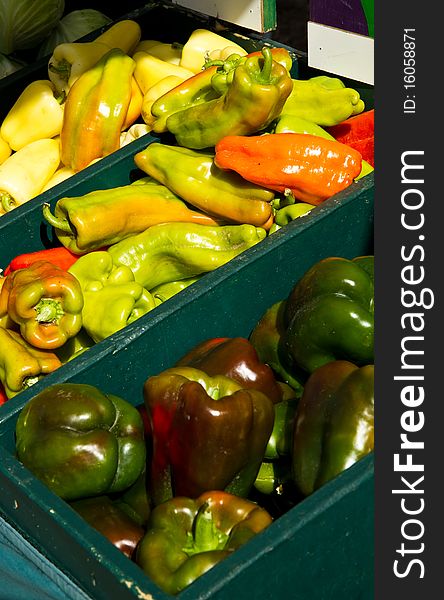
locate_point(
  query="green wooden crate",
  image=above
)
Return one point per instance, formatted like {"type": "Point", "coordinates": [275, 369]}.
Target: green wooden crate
{"type": "Point", "coordinates": [321, 549]}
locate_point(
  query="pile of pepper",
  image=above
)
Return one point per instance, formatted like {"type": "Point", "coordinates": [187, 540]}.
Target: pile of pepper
{"type": "Point", "coordinates": [227, 439]}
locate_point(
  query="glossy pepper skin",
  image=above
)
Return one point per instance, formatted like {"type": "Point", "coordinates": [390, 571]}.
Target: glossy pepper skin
{"type": "Point", "coordinates": [96, 109]}
{"type": "Point", "coordinates": [323, 100]}
{"type": "Point", "coordinates": [45, 301]}
{"type": "Point", "coordinates": [112, 298]}
{"type": "Point", "coordinates": [37, 113]}
{"type": "Point", "coordinates": [237, 359]}
{"type": "Point", "coordinates": [193, 176]}
{"type": "Point", "coordinates": [80, 441]}
{"type": "Point", "coordinates": [22, 365]}
{"type": "Point", "coordinates": [105, 217]}
{"type": "Point", "coordinates": [311, 167]}
{"type": "Point", "coordinates": [174, 251]}
{"type": "Point", "coordinates": [266, 337]}
{"type": "Point", "coordinates": [334, 426]}
{"type": "Point", "coordinates": [329, 314]}
{"type": "Point", "coordinates": [110, 520]}
{"type": "Point", "coordinates": [186, 537]}
{"type": "Point", "coordinates": [208, 433]}
{"type": "Point", "coordinates": [254, 99]}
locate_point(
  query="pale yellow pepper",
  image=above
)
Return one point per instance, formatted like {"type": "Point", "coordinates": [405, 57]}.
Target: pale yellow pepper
{"type": "Point", "coordinates": [150, 69]}
{"type": "Point", "coordinates": [5, 150]}
{"type": "Point", "coordinates": [70, 60]}
{"type": "Point", "coordinates": [134, 133]}
{"type": "Point", "coordinates": [35, 115]}
{"type": "Point", "coordinates": [154, 92]}
{"type": "Point", "coordinates": [24, 174]}
{"type": "Point", "coordinates": [199, 46]}
{"type": "Point", "coordinates": [60, 175]}
{"type": "Point", "coordinates": [170, 53]}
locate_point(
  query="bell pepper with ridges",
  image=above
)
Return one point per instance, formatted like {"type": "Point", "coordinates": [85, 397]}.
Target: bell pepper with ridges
{"type": "Point", "coordinates": [186, 537]}
{"type": "Point", "coordinates": [208, 433]}
{"type": "Point", "coordinates": [45, 301]}
{"type": "Point", "coordinates": [311, 167]}
{"type": "Point", "coordinates": [235, 358]}
{"type": "Point", "coordinates": [174, 251]}
{"type": "Point", "coordinates": [112, 299]}
{"type": "Point", "coordinates": [104, 217]}
{"type": "Point", "coordinates": [329, 315]}
{"type": "Point", "coordinates": [21, 364]}
{"type": "Point", "coordinates": [193, 176]}
{"type": "Point", "coordinates": [80, 441]}
{"type": "Point", "coordinates": [334, 425]}
{"type": "Point", "coordinates": [96, 110]}
{"type": "Point", "coordinates": [252, 101]}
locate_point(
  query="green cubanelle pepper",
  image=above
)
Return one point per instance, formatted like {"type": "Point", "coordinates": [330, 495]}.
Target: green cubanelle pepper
{"type": "Point", "coordinates": [186, 537]}
{"type": "Point", "coordinates": [104, 217]}
{"type": "Point", "coordinates": [329, 315]}
{"type": "Point", "coordinates": [334, 425]}
{"type": "Point", "coordinates": [237, 359]}
{"type": "Point", "coordinates": [208, 433]}
{"type": "Point", "coordinates": [110, 520]}
{"type": "Point", "coordinates": [174, 251]}
{"type": "Point", "coordinates": [193, 176]}
{"type": "Point", "coordinates": [254, 99]}
{"type": "Point", "coordinates": [288, 123]}
{"type": "Point", "coordinates": [21, 364]}
{"type": "Point", "coordinates": [323, 100]}
{"type": "Point", "coordinates": [80, 441]}
{"type": "Point", "coordinates": [266, 337]}
{"type": "Point", "coordinates": [112, 297]}
{"type": "Point", "coordinates": [165, 291]}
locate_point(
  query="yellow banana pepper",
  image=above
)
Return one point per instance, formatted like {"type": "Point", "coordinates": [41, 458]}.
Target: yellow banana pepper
{"type": "Point", "coordinates": [134, 133]}
{"type": "Point", "coordinates": [145, 45]}
{"type": "Point", "coordinates": [224, 53]}
{"type": "Point", "coordinates": [199, 45]}
{"type": "Point", "coordinates": [24, 174]}
{"type": "Point", "coordinates": [36, 114]}
{"type": "Point", "coordinates": [135, 105]}
{"type": "Point", "coordinates": [150, 69]}
{"type": "Point", "coordinates": [170, 53]}
{"type": "Point", "coordinates": [5, 150]}
{"type": "Point", "coordinates": [60, 175]}
{"type": "Point", "coordinates": [70, 60]}
{"type": "Point", "coordinates": [154, 92]}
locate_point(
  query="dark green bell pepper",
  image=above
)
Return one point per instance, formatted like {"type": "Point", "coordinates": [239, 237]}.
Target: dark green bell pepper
{"type": "Point", "coordinates": [329, 314]}
{"type": "Point", "coordinates": [81, 442]}
{"type": "Point", "coordinates": [186, 537]}
{"type": "Point", "coordinates": [209, 433]}
{"type": "Point", "coordinates": [334, 425]}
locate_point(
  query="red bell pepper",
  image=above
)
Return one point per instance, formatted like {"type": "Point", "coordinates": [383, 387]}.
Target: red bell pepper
{"type": "Point", "coordinates": [358, 132]}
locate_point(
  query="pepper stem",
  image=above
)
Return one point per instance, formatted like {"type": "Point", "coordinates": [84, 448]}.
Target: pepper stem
{"type": "Point", "coordinates": [205, 536]}
{"type": "Point", "coordinates": [57, 222]}
{"type": "Point", "coordinates": [265, 74]}
{"type": "Point", "coordinates": [48, 311]}
{"type": "Point", "coordinates": [7, 201]}
{"type": "Point", "coordinates": [63, 69]}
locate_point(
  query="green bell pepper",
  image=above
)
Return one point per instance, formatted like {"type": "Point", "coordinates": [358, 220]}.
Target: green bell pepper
{"type": "Point", "coordinates": [334, 426]}
{"type": "Point", "coordinates": [208, 433]}
{"type": "Point", "coordinates": [329, 315]}
{"type": "Point", "coordinates": [112, 298]}
{"type": "Point", "coordinates": [81, 442]}
{"type": "Point", "coordinates": [186, 537]}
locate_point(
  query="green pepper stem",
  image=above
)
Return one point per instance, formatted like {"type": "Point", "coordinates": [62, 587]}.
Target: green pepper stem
{"type": "Point", "coordinates": [206, 536]}
{"type": "Point", "coordinates": [48, 311]}
{"type": "Point", "coordinates": [57, 222]}
{"type": "Point", "coordinates": [7, 201]}
{"type": "Point", "coordinates": [265, 75]}
{"type": "Point", "coordinates": [63, 69]}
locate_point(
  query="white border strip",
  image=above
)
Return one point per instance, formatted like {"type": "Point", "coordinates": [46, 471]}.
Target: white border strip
{"type": "Point", "coordinates": [340, 52]}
